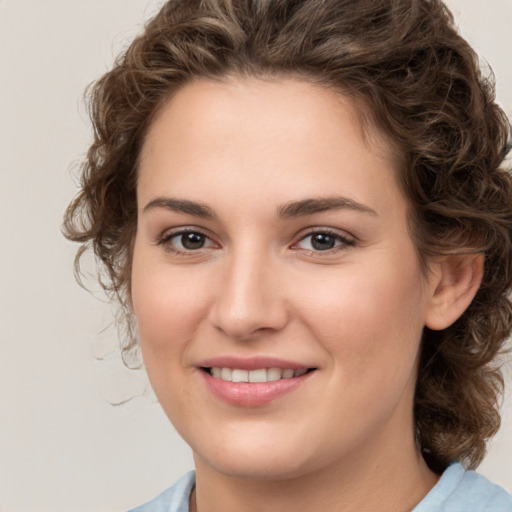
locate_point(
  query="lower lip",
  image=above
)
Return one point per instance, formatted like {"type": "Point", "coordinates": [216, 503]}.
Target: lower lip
{"type": "Point", "coordinates": [253, 394]}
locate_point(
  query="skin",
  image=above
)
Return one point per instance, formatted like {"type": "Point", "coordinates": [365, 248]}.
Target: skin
{"type": "Point", "coordinates": [344, 439]}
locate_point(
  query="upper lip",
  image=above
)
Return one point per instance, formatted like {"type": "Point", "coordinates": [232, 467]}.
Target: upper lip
{"type": "Point", "coordinates": [251, 363]}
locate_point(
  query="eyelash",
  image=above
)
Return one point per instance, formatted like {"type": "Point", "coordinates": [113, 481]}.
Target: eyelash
{"type": "Point", "coordinates": [343, 242]}
{"type": "Point", "coordinates": [165, 241]}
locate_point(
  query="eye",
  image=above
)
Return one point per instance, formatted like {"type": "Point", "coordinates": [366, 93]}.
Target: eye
{"type": "Point", "coordinates": [190, 241]}
{"type": "Point", "coordinates": [322, 241]}
{"type": "Point", "coordinates": [186, 241]}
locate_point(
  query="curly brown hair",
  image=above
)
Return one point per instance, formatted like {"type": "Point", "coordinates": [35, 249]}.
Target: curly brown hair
{"type": "Point", "coordinates": [422, 84]}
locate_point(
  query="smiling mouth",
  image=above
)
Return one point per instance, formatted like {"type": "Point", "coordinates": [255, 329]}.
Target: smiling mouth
{"type": "Point", "coordinates": [258, 375]}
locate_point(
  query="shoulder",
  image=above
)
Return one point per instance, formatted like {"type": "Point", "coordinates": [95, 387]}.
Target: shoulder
{"type": "Point", "coordinates": [465, 491]}
{"type": "Point", "coordinates": [173, 499]}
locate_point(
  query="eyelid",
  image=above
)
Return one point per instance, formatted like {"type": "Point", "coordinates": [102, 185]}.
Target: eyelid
{"type": "Point", "coordinates": [346, 240]}
{"type": "Point", "coordinates": [165, 239]}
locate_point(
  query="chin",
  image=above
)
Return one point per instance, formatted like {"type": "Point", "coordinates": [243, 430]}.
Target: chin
{"type": "Point", "coordinates": [261, 468]}
{"type": "Point", "coordinates": [261, 460]}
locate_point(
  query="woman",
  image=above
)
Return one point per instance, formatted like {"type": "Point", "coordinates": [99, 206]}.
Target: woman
{"type": "Point", "coordinates": [301, 205]}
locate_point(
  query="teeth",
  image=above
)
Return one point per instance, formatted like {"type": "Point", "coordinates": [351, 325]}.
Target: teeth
{"type": "Point", "coordinates": [226, 374]}
{"type": "Point", "coordinates": [260, 375]}
{"type": "Point", "coordinates": [240, 376]}
{"type": "Point", "coordinates": [274, 374]}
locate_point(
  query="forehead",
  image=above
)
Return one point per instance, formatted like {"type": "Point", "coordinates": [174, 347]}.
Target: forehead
{"type": "Point", "coordinates": [278, 138]}
{"type": "Point", "coordinates": [265, 100]}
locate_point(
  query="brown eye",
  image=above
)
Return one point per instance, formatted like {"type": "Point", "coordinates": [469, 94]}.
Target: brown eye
{"type": "Point", "coordinates": [322, 242]}
{"type": "Point", "coordinates": [187, 241]}
{"type": "Point", "coordinates": [192, 241]}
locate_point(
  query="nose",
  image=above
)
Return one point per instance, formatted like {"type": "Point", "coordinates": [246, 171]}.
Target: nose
{"type": "Point", "coordinates": [250, 298]}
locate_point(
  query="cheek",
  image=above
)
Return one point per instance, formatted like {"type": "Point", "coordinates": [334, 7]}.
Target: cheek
{"type": "Point", "coordinates": [168, 312]}
{"type": "Point", "coordinates": [167, 307]}
{"type": "Point", "coordinates": [370, 317]}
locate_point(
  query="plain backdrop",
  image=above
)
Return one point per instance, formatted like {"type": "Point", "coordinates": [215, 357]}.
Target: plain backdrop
{"type": "Point", "coordinates": [63, 446]}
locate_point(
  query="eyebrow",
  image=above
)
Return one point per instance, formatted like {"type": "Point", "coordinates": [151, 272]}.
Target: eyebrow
{"type": "Point", "coordinates": [316, 205]}
{"type": "Point", "coordinates": [291, 209]}
{"type": "Point", "coordinates": [181, 206]}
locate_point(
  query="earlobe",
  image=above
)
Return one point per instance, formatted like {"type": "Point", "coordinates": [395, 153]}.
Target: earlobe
{"type": "Point", "coordinates": [455, 281]}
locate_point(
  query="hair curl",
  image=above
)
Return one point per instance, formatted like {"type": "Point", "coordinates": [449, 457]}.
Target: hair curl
{"type": "Point", "coordinates": [423, 87]}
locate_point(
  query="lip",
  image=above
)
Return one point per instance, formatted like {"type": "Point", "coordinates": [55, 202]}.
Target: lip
{"type": "Point", "coordinates": [256, 394]}
{"type": "Point", "coordinates": [253, 363]}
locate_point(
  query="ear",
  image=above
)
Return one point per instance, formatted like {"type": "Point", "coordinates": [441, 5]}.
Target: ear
{"type": "Point", "coordinates": [454, 283]}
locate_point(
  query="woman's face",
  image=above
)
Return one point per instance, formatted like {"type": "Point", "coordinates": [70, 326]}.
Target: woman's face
{"type": "Point", "coordinates": [272, 243]}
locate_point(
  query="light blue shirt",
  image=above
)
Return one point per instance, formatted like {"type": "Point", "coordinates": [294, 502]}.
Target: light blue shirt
{"type": "Point", "coordinates": [465, 491]}
{"type": "Point", "coordinates": [456, 491]}
{"type": "Point", "coordinates": [173, 499]}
